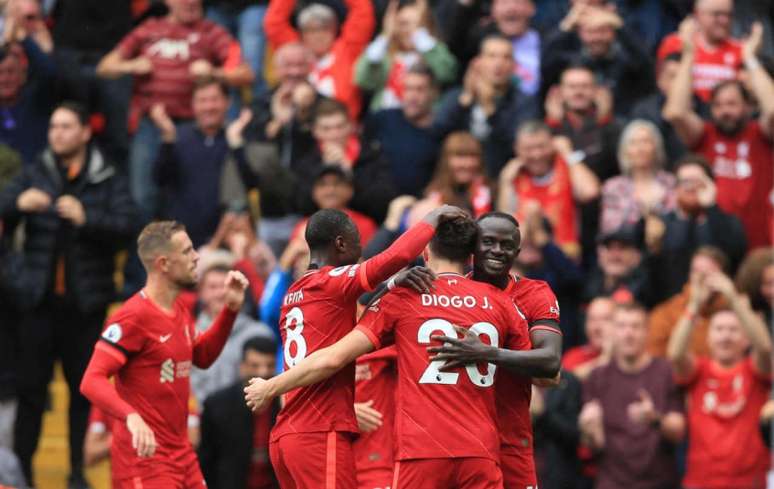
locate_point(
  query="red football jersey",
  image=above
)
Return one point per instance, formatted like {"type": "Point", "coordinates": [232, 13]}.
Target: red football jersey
{"type": "Point", "coordinates": [537, 302]}
{"type": "Point", "coordinates": [318, 310]}
{"type": "Point", "coordinates": [711, 65]}
{"type": "Point", "coordinates": [172, 47]}
{"type": "Point", "coordinates": [444, 414]}
{"type": "Point", "coordinates": [375, 380]}
{"type": "Point", "coordinates": [155, 378]}
{"type": "Point", "coordinates": [725, 446]}
{"type": "Point", "coordinates": [744, 173]}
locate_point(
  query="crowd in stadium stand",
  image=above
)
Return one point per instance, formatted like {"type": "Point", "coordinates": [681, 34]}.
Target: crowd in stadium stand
{"type": "Point", "coordinates": [632, 139]}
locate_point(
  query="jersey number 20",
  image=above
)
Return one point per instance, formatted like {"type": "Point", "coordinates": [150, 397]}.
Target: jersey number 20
{"type": "Point", "coordinates": [294, 326]}
{"type": "Point", "coordinates": [433, 374]}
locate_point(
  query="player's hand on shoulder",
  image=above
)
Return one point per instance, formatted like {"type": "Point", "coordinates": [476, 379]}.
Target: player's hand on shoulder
{"type": "Point", "coordinates": [417, 278]}
{"type": "Point", "coordinates": [445, 213]}
{"type": "Point", "coordinates": [257, 394]}
{"type": "Point", "coordinates": [236, 284]}
{"type": "Point", "coordinates": [143, 439]}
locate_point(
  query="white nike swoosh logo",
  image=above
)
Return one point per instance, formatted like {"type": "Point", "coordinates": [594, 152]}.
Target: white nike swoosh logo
{"type": "Point", "coordinates": [165, 337]}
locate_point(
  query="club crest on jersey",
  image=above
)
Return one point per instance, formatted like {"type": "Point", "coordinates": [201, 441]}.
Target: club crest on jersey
{"type": "Point", "coordinates": [113, 333]}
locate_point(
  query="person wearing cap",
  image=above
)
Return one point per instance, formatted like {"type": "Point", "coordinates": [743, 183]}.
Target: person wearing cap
{"type": "Point", "coordinates": [337, 143]}
{"type": "Point", "coordinates": [333, 189]}
{"type": "Point", "coordinates": [620, 272]}
{"type": "Point", "coordinates": [335, 57]}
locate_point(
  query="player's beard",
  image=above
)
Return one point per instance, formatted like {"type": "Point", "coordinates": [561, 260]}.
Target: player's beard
{"type": "Point", "coordinates": [186, 283]}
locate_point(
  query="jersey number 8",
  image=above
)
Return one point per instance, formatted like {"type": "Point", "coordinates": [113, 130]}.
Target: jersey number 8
{"type": "Point", "coordinates": [293, 335]}
{"type": "Point", "coordinates": [433, 374]}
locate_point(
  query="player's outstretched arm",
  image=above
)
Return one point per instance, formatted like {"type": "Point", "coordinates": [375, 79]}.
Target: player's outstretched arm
{"type": "Point", "coordinates": [407, 247]}
{"type": "Point", "coordinates": [541, 362]}
{"type": "Point", "coordinates": [317, 367]}
{"type": "Point", "coordinates": [209, 344]}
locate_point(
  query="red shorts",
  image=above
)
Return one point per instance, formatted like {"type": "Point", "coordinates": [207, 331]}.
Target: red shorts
{"type": "Point", "coordinates": [518, 470]}
{"type": "Point", "coordinates": [178, 470]}
{"type": "Point", "coordinates": [374, 478]}
{"type": "Point", "coordinates": [321, 460]}
{"type": "Point", "coordinates": [447, 473]}
{"type": "Point", "coordinates": [188, 478]}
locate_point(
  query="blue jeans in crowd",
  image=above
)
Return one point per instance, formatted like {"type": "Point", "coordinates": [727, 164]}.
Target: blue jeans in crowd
{"type": "Point", "coordinates": [247, 26]}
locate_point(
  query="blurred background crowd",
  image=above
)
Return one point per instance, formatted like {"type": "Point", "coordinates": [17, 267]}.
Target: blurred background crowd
{"type": "Point", "coordinates": [632, 139]}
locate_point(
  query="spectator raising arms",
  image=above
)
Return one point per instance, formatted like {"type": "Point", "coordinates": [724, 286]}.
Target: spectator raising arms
{"type": "Point", "coordinates": [643, 188]}
{"type": "Point", "coordinates": [545, 171]}
{"type": "Point", "coordinates": [166, 56]}
{"type": "Point", "coordinates": [716, 57]}
{"type": "Point", "coordinates": [336, 56]}
{"type": "Point", "coordinates": [738, 147]}
{"type": "Point", "coordinates": [726, 390]}
{"type": "Point", "coordinates": [407, 37]}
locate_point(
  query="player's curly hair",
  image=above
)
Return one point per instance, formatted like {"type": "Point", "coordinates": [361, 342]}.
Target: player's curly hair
{"type": "Point", "coordinates": [325, 226]}
{"type": "Point", "coordinates": [455, 239]}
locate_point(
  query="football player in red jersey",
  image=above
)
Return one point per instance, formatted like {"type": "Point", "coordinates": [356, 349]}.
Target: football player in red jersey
{"type": "Point", "coordinates": [498, 245]}
{"type": "Point", "coordinates": [446, 421]}
{"type": "Point", "coordinates": [149, 345]}
{"type": "Point", "coordinates": [311, 443]}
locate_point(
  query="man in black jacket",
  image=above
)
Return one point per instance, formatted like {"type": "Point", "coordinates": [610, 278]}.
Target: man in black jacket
{"type": "Point", "coordinates": [77, 212]}
{"type": "Point", "coordinates": [234, 449]}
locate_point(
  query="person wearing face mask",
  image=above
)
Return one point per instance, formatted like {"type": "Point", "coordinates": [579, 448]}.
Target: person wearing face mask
{"type": "Point", "coordinates": [738, 147]}
{"type": "Point", "coordinates": [696, 220]}
{"type": "Point", "coordinates": [726, 389]}
{"type": "Point", "coordinates": [408, 37]}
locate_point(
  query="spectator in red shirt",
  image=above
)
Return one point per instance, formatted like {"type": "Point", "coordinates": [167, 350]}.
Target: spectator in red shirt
{"type": "Point", "coordinates": [234, 449]}
{"type": "Point", "coordinates": [717, 57]}
{"type": "Point", "coordinates": [632, 417]}
{"type": "Point", "coordinates": [332, 189]}
{"type": "Point", "coordinates": [726, 390]}
{"type": "Point", "coordinates": [166, 56]}
{"type": "Point", "coordinates": [738, 147]}
{"type": "Point", "coordinates": [547, 173]}
{"type": "Point", "coordinates": [333, 74]}
{"type": "Point", "coordinates": [582, 359]}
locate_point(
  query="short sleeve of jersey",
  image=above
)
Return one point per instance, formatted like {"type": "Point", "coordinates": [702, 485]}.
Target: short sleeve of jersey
{"type": "Point", "coordinates": [378, 322]}
{"type": "Point", "coordinates": [122, 332]}
{"type": "Point", "coordinates": [518, 333]}
{"type": "Point", "coordinates": [349, 281]}
{"type": "Point", "coordinates": [540, 306]}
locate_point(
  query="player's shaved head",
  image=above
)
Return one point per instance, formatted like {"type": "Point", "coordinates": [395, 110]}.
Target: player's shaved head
{"type": "Point", "coordinates": [455, 239]}
{"type": "Point", "coordinates": [155, 239]}
{"type": "Point", "coordinates": [325, 226]}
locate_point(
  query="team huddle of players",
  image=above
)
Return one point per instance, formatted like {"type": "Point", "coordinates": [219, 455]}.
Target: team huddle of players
{"type": "Point", "coordinates": [467, 350]}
